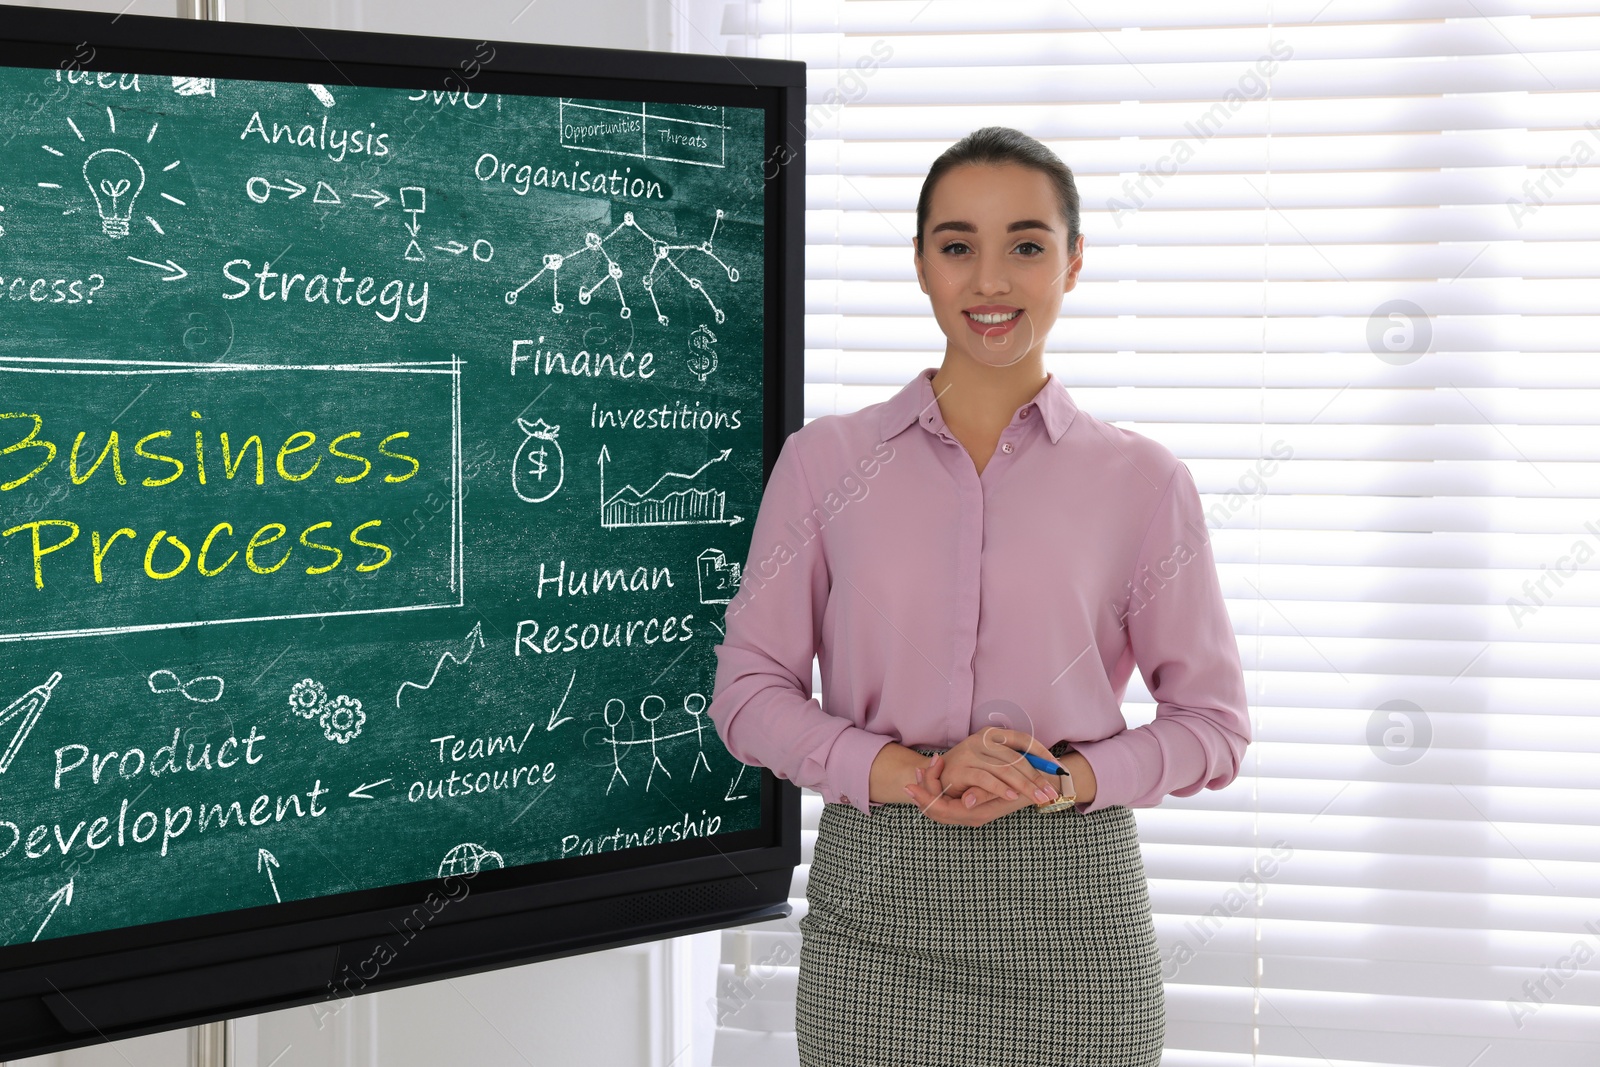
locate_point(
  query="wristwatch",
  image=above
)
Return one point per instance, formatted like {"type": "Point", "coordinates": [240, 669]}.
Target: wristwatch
{"type": "Point", "coordinates": [1069, 792]}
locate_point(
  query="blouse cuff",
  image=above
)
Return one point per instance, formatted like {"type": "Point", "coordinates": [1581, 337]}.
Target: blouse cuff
{"type": "Point", "coordinates": [849, 772]}
{"type": "Point", "coordinates": [1115, 780]}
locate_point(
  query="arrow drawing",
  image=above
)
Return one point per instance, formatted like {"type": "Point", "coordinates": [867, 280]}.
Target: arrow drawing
{"type": "Point", "coordinates": [173, 271]}
{"type": "Point", "coordinates": [475, 635]}
{"type": "Point", "coordinates": [266, 861]}
{"type": "Point", "coordinates": [555, 711]}
{"type": "Point", "coordinates": [455, 248]}
{"type": "Point", "coordinates": [260, 189]}
{"type": "Point", "coordinates": [28, 707]}
{"type": "Point", "coordinates": [734, 785]}
{"type": "Point", "coordinates": [534, 722]}
{"type": "Point", "coordinates": [360, 792]}
{"type": "Point", "coordinates": [378, 199]}
{"type": "Point", "coordinates": [59, 897]}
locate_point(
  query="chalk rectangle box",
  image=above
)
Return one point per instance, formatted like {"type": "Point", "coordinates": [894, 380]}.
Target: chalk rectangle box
{"type": "Point", "coordinates": [427, 571]}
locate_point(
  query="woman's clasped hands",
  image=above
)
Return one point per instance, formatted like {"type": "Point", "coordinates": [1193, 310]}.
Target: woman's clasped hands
{"type": "Point", "coordinates": [982, 778]}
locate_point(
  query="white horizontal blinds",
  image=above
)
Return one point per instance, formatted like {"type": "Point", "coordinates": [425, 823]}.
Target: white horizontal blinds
{"type": "Point", "coordinates": [1359, 304]}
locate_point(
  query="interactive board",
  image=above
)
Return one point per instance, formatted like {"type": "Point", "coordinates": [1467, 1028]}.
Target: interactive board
{"type": "Point", "coordinates": [379, 445]}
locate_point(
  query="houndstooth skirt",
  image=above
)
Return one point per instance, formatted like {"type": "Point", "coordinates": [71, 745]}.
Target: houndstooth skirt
{"type": "Point", "coordinates": [1027, 942]}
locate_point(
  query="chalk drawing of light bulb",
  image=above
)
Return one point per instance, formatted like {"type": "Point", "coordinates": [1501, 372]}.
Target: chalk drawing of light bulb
{"type": "Point", "coordinates": [116, 179]}
{"type": "Point", "coordinates": [530, 471]}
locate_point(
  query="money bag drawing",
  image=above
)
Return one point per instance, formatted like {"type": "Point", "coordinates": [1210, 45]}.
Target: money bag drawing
{"type": "Point", "coordinates": [539, 455]}
{"type": "Point", "coordinates": [702, 357]}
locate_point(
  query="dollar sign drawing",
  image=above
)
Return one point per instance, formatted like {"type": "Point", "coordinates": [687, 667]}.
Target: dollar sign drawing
{"type": "Point", "coordinates": [702, 357]}
{"type": "Point", "coordinates": [530, 470]}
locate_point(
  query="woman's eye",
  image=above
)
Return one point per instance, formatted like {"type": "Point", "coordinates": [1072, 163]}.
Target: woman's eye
{"type": "Point", "coordinates": [1032, 244]}
{"type": "Point", "coordinates": [959, 246]}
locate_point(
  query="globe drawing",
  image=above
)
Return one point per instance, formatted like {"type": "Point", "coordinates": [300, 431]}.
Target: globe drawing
{"type": "Point", "coordinates": [468, 859]}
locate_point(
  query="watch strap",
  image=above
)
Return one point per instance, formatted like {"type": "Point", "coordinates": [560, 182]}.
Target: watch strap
{"type": "Point", "coordinates": [1068, 791]}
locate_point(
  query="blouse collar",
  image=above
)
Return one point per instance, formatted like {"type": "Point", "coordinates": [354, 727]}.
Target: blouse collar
{"type": "Point", "coordinates": [916, 400]}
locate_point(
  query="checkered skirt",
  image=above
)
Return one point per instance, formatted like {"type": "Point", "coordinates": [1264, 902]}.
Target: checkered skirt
{"type": "Point", "coordinates": [1026, 942]}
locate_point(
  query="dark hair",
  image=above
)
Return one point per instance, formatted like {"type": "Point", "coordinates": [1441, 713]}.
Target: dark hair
{"type": "Point", "coordinates": [1000, 145]}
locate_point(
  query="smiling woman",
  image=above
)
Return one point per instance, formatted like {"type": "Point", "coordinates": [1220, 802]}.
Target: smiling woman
{"type": "Point", "coordinates": [967, 904]}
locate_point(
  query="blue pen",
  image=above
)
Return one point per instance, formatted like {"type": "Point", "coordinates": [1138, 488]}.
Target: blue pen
{"type": "Point", "coordinates": [1042, 763]}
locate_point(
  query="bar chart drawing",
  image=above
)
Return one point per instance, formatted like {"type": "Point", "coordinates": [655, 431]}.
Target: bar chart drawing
{"type": "Point", "coordinates": [674, 499]}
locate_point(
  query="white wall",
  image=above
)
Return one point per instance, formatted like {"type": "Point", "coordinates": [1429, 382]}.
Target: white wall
{"type": "Point", "coordinates": [650, 1006]}
{"type": "Point", "coordinates": [596, 23]}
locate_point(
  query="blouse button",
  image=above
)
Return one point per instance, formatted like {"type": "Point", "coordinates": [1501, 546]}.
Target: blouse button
{"type": "Point", "coordinates": [1006, 448]}
{"type": "Point", "coordinates": [843, 799]}
{"type": "Point", "coordinates": [1026, 412]}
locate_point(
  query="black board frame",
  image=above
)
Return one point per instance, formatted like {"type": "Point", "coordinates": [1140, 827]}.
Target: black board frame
{"type": "Point", "coordinates": [80, 990]}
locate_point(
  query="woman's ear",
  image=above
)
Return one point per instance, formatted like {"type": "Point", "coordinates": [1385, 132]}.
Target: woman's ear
{"type": "Point", "coordinates": [916, 263]}
{"type": "Point", "coordinates": [1074, 265]}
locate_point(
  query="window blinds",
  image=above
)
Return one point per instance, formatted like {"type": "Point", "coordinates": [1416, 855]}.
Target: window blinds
{"type": "Point", "coordinates": [1341, 257]}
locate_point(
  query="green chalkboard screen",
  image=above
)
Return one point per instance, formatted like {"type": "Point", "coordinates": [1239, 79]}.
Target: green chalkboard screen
{"type": "Point", "coordinates": [376, 465]}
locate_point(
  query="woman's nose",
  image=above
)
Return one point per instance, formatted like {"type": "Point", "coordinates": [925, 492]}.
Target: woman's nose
{"type": "Point", "coordinates": [991, 274]}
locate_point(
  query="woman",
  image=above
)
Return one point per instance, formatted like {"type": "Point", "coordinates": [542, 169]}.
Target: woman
{"type": "Point", "coordinates": [978, 565]}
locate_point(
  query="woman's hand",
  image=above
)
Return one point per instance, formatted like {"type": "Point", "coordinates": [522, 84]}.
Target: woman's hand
{"type": "Point", "coordinates": [985, 774]}
{"type": "Point", "coordinates": [937, 802]}
{"type": "Point", "coordinates": [989, 765]}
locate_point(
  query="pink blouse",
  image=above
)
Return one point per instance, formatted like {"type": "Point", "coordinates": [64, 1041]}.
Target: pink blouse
{"type": "Point", "coordinates": [940, 601]}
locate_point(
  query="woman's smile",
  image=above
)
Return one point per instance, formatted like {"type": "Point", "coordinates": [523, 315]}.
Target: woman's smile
{"type": "Point", "coordinates": [992, 320]}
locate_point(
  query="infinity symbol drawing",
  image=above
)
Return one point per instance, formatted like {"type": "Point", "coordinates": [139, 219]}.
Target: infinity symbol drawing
{"type": "Point", "coordinates": [194, 689]}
